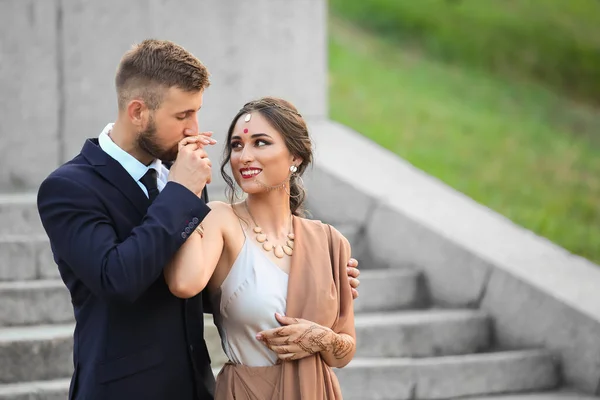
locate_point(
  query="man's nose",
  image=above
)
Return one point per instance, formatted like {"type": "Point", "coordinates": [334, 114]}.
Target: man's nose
{"type": "Point", "coordinates": [192, 128]}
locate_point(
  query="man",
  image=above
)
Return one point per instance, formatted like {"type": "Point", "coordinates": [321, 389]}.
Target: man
{"type": "Point", "coordinates": [115, 216]}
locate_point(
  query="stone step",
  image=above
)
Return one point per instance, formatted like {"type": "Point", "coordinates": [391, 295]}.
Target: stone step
{"type": "Point", "coordinates": [401, 334]}
{"type": "Point", "coordinates": [59, 390]}
{"type": "Point", "coordinates": [34, 302]}
{"type": "Point", "coordinates": [557, 395]}
{"type": "Point", "coordinates": [25, 257]}
{"type": "Point", "coordinates": [390, 289]}
{"type": "Point", "coordinates": [448, 377]}
{"type": "Point", "coordinates": [19, 215]}
{"type": "Point", "coordinates": [37, 390]}
{"type": "Point", "coordinates": [35, 353]}
{"type": "Point", "coordinates": [44, 353]}
{"type": "Point", "coordinates": [48, 301]}
{"type": "Point", "coordinates": [423, 333]}
{"type": "Point", "coordinates": [31, 353]}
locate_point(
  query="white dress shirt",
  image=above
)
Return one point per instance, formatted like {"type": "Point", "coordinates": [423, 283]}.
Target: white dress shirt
{"type": "Point", "coordinates": [131, 164]}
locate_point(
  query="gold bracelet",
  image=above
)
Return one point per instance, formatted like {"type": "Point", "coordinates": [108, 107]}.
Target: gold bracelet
{"type": "Point", "coordinates": [200, 230]}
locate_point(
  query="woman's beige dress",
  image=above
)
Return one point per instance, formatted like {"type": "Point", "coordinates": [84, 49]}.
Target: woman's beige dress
{"type": "Point", "coordinates": [316, 289]}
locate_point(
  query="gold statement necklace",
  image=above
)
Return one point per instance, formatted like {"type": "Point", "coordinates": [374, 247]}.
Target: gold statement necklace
{"type": "Point", "coordinates": [267, 246]}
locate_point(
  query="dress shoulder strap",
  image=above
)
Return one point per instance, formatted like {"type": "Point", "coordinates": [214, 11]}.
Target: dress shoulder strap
{"type": "Point", "coordinates": [242, 226]}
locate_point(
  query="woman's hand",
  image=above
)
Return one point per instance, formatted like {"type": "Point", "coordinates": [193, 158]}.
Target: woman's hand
{"type": "Point", "coordinates": [201, 138]}
{"type": "Point", "coordinates": [299, 338]}
{"type": "Point", "coordinates": [296, 339]}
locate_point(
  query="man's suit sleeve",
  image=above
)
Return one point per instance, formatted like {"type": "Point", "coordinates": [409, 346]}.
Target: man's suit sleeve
{"type": "Point", "coordinates": [83, 236]}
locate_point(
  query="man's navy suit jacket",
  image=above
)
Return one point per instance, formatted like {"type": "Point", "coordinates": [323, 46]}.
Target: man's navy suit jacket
{"type": "Point", "coordinates": [133, 339]}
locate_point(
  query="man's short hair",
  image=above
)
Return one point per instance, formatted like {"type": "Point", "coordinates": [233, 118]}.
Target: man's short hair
{"type": "Point", "coordinates": [151, 67]}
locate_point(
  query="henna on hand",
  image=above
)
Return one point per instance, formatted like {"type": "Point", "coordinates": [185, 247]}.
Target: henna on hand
{"type": "Point", "coordinates": [312, 340]}
{"type": "Point", "coordinates": [317, 338]}
{"type": "Point", "coordinates": [342, 345]}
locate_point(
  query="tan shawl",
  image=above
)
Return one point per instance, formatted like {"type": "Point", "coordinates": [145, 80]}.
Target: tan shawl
{"type": "Point", "coordinates": [318, 291]}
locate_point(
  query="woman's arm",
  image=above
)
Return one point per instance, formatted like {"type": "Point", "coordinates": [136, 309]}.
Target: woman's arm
{"type": "Point", "coordinates": [343, 335]}
{"type": "Point", "coordinates": [340, 351]}
{"type": "Point", "coordinates": [192, 266]}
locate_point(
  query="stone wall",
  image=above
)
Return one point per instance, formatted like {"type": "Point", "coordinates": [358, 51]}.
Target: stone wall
{"type": "Point", "coordinates": [58, 59]}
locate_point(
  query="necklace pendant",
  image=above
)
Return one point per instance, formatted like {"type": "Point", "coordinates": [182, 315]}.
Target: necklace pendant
{"type": "Point", "coordinates": [261, 238]}
{"type": "Point", "coordinates": [291, 236]}
{"type": "Point", "coordinates": [290, 244]}
{"type": "Point", "coordinates": [288, 250]}
{"type": "Point", "coordinates": [257, 229]}
{"type": "Point", "coordinates": [279, 252]}
{"type": "Point", "coordinates": [267, 246]}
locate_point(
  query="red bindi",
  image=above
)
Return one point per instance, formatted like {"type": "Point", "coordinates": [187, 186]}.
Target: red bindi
{"type": "Point", "coordinates": [245, 130]}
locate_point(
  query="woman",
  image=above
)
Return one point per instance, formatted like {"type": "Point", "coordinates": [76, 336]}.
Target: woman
{"type": "Point", "coordinates": [278, 282]}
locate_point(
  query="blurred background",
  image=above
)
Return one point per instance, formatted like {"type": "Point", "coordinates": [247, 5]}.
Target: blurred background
{"type": "Point", "coordinates": [498, 99]}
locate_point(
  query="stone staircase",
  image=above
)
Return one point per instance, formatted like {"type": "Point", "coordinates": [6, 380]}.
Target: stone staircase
{"type": "Point", "coordinates": [407, 348]}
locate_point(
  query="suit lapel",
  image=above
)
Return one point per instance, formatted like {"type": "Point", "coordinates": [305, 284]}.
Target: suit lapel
{"type": "Point", "coordinates": [115, 174]}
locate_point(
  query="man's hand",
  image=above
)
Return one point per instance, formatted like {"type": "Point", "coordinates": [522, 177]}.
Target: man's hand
{"type": "Point", "coordinates": [193, 168]}
{"type": "Point", "coordinates": [353, 274]}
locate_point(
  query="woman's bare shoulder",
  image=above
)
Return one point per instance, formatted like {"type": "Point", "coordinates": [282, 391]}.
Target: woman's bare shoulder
{"type": "Point", "coordinates": [219, 205]}
{"type": "Point", "coordinates": [221, 211]}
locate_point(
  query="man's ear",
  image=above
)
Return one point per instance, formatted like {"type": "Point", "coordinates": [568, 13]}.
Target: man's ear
{"type": "Point", "coordinates": [138, 113]}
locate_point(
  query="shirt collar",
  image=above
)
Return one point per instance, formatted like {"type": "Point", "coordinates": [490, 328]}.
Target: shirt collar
{"type": "Point", "coordinates": [131, 164]}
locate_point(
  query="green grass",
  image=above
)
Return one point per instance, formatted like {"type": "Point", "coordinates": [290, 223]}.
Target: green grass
{"type": "Point", "coordinates": [517, 148]}
{"type": "Point", "coordinates": [554, 41]}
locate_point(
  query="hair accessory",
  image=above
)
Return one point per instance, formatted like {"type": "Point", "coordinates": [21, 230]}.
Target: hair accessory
{"type": "Point", "coordinates": [257, 105]}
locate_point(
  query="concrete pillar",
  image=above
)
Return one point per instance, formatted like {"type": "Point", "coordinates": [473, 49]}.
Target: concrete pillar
{"type": "Point", "coordinates": [29, 93]}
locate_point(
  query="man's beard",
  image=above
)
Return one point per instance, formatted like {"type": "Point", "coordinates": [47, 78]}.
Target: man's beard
{"type": "Point", "coordinates": [147, 142]}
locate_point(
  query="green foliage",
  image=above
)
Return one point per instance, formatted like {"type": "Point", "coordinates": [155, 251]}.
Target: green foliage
{"type": "Point", "coordinates": [517, 148]}
{"type": "Point", "coordinates": [554, 41]}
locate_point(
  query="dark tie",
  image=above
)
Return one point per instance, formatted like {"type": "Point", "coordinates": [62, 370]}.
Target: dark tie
{"type": "Point", "coordinates": [149, 180]}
